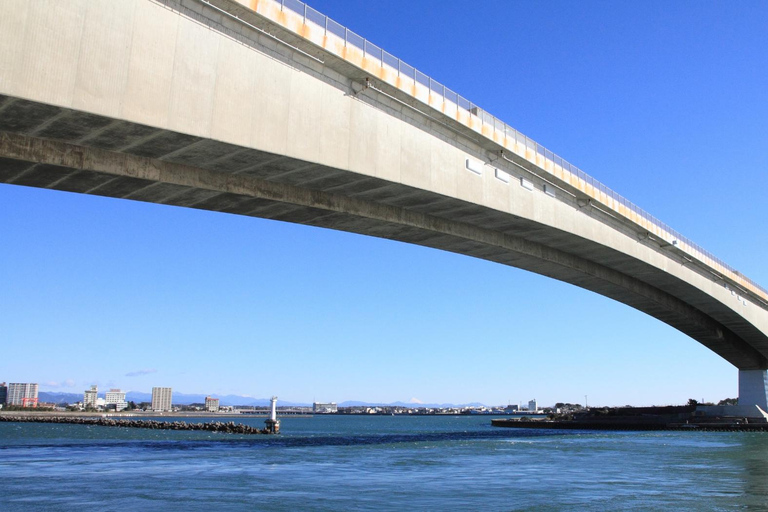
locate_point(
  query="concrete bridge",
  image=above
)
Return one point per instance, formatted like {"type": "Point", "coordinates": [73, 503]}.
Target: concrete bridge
{"type": "Point", "coordinates": [269, 109]}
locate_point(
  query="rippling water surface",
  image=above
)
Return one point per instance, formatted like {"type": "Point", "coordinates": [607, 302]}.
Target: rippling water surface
{"type": "Point", "coordinates": [378, 463]}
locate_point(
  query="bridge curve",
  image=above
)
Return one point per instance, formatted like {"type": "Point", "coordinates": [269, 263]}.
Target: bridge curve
{"type": "Point", "coordinates": [253, 108]}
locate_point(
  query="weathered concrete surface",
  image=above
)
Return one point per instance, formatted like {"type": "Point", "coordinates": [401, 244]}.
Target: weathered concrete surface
{"type": "Point", "coordinates": [753, 388]}
{"type": "Point", "coordinates": [174, 103]}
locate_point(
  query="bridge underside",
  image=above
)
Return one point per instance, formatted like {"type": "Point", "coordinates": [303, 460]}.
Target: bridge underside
{"type": "Point", "coordinates": [51, 147]}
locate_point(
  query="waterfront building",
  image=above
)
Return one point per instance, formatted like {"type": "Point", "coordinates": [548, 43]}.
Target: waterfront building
{"type": "Point", "coordinates": [211, 404]}
{"type": "Point", "coordinates": [3, 393]}
{"type": "Point", "coordinates": [23, 394]}
{"type": "Point", "coordinates": [161, 399]}
{"type": "Point", "coordinates": [90, 396]}
{"type": "Point", "coordinates": [116, 397]}
{"type": "Point", "coordinates": [532, 405]}
{"type": "Point", "coordinates": [321, 408]}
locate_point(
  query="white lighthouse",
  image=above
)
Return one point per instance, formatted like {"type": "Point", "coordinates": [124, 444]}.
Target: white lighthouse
{"type": "Point", "coordinates": [273, 424]}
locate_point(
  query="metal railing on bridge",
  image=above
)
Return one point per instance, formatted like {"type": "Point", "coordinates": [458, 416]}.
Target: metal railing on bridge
{"type": "Point", "coordinates": [370, 50]}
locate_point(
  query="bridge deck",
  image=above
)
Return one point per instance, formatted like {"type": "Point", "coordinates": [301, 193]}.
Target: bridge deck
{"type": "Point", "coordinates": [250, 127]}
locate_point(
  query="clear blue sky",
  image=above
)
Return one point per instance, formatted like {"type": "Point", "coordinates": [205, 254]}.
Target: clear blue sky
{"type": "Point", "coordinates": [667, 103]}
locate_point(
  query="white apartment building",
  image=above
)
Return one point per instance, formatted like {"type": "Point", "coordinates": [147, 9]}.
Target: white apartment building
{"type": "Point", "coordinates": [161, 399]}
{"type": "Point", "coordinates": [532, 405]}
{"type": "Point", "coordinates": [90, 396]}
{"type": "Point", "coordinates": [116, 397]}
{"type": "Point", "coordinates": [24, 394]}
{"type": "Point", "coordinates": [321, 408]}
{"type": "Point", "coordinates": [211, 404]}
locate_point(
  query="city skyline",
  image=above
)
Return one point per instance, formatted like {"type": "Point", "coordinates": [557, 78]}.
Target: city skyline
{"type": "Point", "coordinates": [224, 303]}
{"type": "Point", "coordinates": [92, 398]}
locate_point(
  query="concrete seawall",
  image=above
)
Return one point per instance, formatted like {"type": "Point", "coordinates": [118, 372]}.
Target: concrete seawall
{"type": "Point", "coordinates": [735, 426]}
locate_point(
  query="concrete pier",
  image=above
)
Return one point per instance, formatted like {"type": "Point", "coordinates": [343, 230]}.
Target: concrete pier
{"type": "Point", "coordinates": [753, 388]}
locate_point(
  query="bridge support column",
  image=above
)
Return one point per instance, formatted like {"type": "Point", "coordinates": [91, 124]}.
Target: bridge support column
{"type": "Point", "coordinates": [753, 388]}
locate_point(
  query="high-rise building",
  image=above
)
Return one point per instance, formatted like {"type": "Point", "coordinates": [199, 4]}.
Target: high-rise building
{"type": "Point", "coordinates": [211, 404]}
{"type": "Point", "coordinates": [532, 405]}
{"type": "Point", "coordinates": [24, 395]}
{"type": "Point", "coordinates": [3, 393]}
{"type": "Point", "coordinates": [161, 399]}
{"type": "Point", "coordinates": [116, 397]}
{"type": "Point", "coordinates": [90, 396]}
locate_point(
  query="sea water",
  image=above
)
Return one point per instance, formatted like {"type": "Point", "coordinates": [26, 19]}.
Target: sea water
{"type": "Point", "coordinates": [378, 463]}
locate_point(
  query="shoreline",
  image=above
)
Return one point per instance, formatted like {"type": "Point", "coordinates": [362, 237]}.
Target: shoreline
{"type": "Point", "coordinates": [632, 426]}
{"type": "Point", "coordinates": [200, 414]}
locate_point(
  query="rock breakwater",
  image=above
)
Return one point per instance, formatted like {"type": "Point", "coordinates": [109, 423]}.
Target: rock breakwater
{"type": "Point", "coordinates": [214, 426]}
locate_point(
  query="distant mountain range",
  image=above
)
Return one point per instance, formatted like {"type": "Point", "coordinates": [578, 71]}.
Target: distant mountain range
{"type": "Point", "coordinates": [186, 399]}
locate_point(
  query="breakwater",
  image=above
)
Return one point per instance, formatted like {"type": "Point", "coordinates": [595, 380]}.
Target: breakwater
{"type": "Point", "coordinates": [632, 425]}
{"type": "Point", "coordinates": [691, 417]}
{"type": "Point", "coordinates": [215, 426]}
